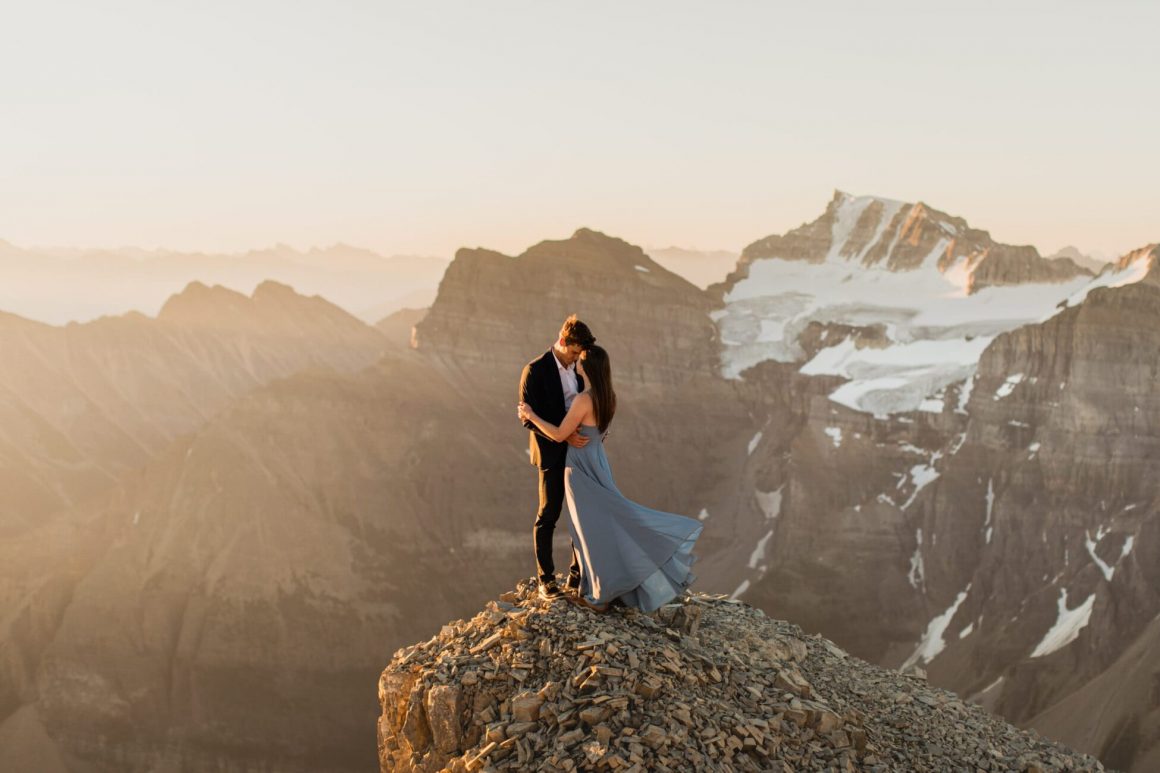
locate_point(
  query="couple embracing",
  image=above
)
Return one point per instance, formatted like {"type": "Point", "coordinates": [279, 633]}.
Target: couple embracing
{"type": "Point", "coordinates": [622, 552]}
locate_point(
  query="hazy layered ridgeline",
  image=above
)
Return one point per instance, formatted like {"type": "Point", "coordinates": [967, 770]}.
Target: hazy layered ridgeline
{"type": "Point", "coordinates": [935, 449]}
{"type": "Point", "coordinates": [58, 285]}
{"type": "Point", "coordinates": [701, 267]}
{"type": "Point", "coordinates": [85, 403]}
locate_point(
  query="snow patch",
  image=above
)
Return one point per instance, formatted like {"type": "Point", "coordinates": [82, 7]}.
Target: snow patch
{"type": "Point", "coordinates": [1068, 625]}
{"type": "Point", "coordinates": [932, 642]}
{"type": "Point", "coordinates": [898, 377]}
{"type": "Point", "coordinates": [917, 576]}
{"type": "Point", "coordinates": [965, 394]}
{"type": "Point", "coordinates": [835, 434]}
{"type": "Point", "coordinates": [744, 586]}
{"type": "Point", "coordinates": [1091, 544]}
{"type": "Point", "coordinates": [703, 514]}
{"type": "Point", "coordinates": [922, 475]}
{"type": "Point", "coordinates": [753, 443]}
{"type": "Point", "coordinates": [962, 438]}
{"type": "Point", "coordinates": [770, 502]}
{"type": "Point", "coordinates": [931, 405]}
{"type": "Point", "coordinates": [642, 269]}
{"type": "Point", "coordinates": [990, 508]}
{"type": "Point", "coordinates": [1008, 386]}
{"type": "Point", "coordinates": [758, 553]}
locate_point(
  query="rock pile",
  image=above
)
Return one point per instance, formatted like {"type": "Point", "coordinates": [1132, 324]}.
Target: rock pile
{"type": "Point", "coordinates": [703, 684]}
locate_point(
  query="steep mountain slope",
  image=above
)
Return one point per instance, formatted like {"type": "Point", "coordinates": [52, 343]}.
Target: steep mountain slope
{"type": "Point", "coordinates": [84, 403]}
{"type": "Point", "coordinates": [1003, 530]}
{"type": "Point", "coordinates": [232, 598]}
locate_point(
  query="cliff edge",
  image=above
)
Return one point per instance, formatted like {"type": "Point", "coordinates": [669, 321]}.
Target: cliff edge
{"type": "Point", "coordinates": [703, 684]}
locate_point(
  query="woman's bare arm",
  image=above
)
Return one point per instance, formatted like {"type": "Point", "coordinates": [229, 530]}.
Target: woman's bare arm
{"type": "Point", "coordinates": [580, 410]}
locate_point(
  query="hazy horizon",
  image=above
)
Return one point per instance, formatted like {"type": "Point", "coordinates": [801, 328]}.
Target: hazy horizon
{"type": "Point", "coordinates": [422, 129]}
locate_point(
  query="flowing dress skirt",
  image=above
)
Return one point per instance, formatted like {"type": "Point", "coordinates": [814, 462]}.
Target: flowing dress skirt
{"type": "Point", "coordinates": [628, 551]}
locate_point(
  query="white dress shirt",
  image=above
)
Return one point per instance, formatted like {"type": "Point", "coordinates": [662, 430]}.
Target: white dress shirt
{"type": "Point", "coordinates": [567, 380]}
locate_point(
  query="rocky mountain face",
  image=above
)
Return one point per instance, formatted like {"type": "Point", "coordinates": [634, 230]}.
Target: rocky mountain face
{"type": "Point", "coordinates": [703, 684]}
{"type": "Point", "coordinates": [496, 309]}
{"type": "Point", "coordinates": [85, 403]}
{"type": "Point", "coordinates": [1000, 529]}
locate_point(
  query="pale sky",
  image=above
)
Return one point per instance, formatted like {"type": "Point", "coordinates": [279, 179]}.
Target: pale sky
{"type": "Point", "coordinates": [424, 126]}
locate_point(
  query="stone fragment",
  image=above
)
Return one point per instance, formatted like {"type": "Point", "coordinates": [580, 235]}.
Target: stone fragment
{"type": "Point", "coordinates": [526, 706]}
{"type": "Point", "coordinates": [652, 736]}
{"type": "Point", "coordinates": [791, 680]}
{"type": "Point", "coordinates": [519, 729]}
{"type": "Point", "coordinates": [571, 737]}
{"type": "Point", "coordinates": [477, 762]}
{"type": "Point", "coordinates": [648, 687]}
{"type": "Point", "coordinates": [444, 704]}
{"type": "Point", "coordinates": [415, 727]}
{"type": "Point", "coordinates": [486, 644]}
{"type": "Point", "coordinates": [593, 715]}
{"type": "Point", "coordinates": [825, 722]}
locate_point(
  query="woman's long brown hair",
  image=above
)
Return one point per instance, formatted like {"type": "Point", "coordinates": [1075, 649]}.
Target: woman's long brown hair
{"type": "Point", "coordinates": [598, 373]}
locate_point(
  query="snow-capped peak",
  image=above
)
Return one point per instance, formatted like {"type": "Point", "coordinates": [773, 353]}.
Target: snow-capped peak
{"type": "Point", "coordinates": [940, 290]}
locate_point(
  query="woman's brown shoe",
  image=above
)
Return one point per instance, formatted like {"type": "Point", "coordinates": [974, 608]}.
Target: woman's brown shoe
{"type": "Point", "coordinates": [580, 601]}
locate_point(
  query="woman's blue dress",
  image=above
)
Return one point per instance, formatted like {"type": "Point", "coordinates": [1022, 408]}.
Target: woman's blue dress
{"type": "Point", "coordinates": [642, 556]}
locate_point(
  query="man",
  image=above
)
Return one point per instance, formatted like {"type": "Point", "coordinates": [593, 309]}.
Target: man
{"type": "Point", "coordinates": [549, 384]}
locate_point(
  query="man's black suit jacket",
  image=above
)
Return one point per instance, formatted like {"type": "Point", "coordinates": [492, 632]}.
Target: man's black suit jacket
{"type": "Point", "coordinates": [540, 388]}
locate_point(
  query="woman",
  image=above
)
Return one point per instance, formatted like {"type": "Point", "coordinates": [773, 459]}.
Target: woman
{"type": "Point", "coordinates": [627, 551]}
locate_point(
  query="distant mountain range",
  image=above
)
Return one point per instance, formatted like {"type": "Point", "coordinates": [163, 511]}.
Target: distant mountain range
{"type": "Point", "coordinates": [701, 267]}
{"type": "Point", "coordinates": [935, 449]}
{"type": "Point", "coordinates": [62, 285]}
{"type": "Point", "coordinates": [1094, 262]}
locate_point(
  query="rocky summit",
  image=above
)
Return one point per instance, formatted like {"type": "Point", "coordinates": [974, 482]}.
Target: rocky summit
{"type": "Point", "coordinates": [706, 683]}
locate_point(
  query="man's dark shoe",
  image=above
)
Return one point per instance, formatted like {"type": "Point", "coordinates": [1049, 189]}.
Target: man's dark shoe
{"type": "Point", "coordinates": [550, 590]}
{"type": "Point", "coordinates": [572, 585]}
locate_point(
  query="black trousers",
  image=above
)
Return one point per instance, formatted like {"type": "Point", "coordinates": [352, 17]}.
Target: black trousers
{"type": "Point", "coordinates": [551, 503]}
